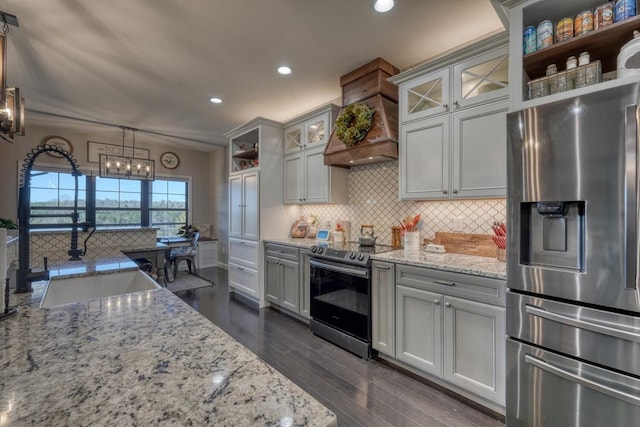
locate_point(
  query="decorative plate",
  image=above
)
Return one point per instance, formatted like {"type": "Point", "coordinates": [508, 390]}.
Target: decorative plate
{"type": "Point", "coordinates": [169, 160]}
{"type": "Point", "coordinates": [60, 142]}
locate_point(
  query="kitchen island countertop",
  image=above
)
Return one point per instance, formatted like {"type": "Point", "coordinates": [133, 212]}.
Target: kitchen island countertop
{"type": "Point", "coordinates": [145, 358]}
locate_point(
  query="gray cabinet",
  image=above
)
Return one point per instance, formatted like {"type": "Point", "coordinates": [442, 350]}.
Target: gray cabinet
{"type": "Point", "coordinates": [282, 276]}
{"type": "Point", "coordinates": [306, 178]}
{"type": "Point", "coordinates": [452, 326]}
{"type": "Point", "coordinates": [474, 347]}
{"type": "Point", "coordinates": [453, 124]}
{"type": "Point", "coordinates": [305, 284]}
{"type": "Point", "coordinates": [383, 307]}
{"type": "Point", "coordinates": [461, 155]}
{"type": "Point", "coordinates": [419, 333]}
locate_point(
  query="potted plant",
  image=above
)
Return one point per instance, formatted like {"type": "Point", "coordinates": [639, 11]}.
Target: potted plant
{"type": "Point", "coordinates": [12, 227]}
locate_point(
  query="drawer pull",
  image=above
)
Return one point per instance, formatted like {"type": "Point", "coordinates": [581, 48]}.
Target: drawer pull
{"type": "Point", "coordinates": [444, 282]}
{"type": "Point", "coordinates": [447, 304]}
{"type": "Point", "coordinates": [383, 267]}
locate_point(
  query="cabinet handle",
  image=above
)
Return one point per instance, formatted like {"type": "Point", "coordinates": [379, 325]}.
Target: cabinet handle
{"type": "Point", "coordinates": [436, 302]}
{"type": "Point", "coordinates": [383, 267]}
{"type": "Point", "coordinates": [240, 268]}
{"type": "Point", "coordinates": [444, 191]}
{"type": "Point", "coordinates": [456, 104]}
{"type": "Point", "coordinates": [446, 107]}
{"type": "Point", "coordinates": [455, 191]}
{"type": "Point", "coordinates": [447, 304]}
{"type": "Point", "coordinates": [443, 282]}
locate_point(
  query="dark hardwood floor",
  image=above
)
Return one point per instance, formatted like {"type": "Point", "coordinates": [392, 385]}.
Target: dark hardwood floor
{"type": "Point", "coordinates": [361, 393]}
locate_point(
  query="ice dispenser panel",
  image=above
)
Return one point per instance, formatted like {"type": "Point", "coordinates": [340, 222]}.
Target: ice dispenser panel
{"type": "Point", "coordinates": [552, 234]}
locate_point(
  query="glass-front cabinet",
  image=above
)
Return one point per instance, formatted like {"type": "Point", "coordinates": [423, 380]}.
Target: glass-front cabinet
{"type": "Point", "coordinates": [447, 85]}
{"type": "Point", "coordinates": [481, 79]}
{"type": "Point", "coordinates": [428, 95]}
{"type": "Point", "coordinates": [293, 138]}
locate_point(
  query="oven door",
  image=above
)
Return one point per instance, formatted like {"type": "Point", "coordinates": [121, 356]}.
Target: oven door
{"type": "Point", "coordinates": [341, 297]}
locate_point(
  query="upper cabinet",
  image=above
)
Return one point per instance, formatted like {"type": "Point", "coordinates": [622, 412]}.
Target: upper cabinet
{"type": "Point", "coordinates": [306, 178]}
{"type": "Point", "coordinates": [245, 151]}
{"type": "Point", "coordinates": [449, 84]}
{"type": "Point", "coordinates": [453, 124]}
{"type": "Point", "coordinates": [602, 44]}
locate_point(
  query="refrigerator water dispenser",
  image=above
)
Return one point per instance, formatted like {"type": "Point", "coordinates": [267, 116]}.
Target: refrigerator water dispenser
{"type": "Point", "coordinates": [552, 234]}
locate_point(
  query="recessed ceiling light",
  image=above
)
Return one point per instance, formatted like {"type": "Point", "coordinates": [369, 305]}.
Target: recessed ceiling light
{"type": "Point", "coordinates": [383, 5]}
{"type": "Point", "coordinates": [215, 100]}
{"type": "Point", "coordinates": [284, 70]}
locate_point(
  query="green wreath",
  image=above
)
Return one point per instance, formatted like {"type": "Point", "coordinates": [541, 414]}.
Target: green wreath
{"type": "Point", "coordinates": [354, 123]}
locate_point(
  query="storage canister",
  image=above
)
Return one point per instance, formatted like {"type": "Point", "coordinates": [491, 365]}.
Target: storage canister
{"type": "Point", "coordinates": [624, 9]}
{"type": "Point", "coordinates": [603, 16]}
{"type": "Point", "coordinates": [584, 58]}
{"type": "Point", "coordinates": [551, 69]}
{"type": "Point", "coordinates": [572, 62]}
{"type": "Point", "coordinates": [544, 34]}
{"type": "Point", "coordinates": [529, 40]}
{"type": "Point", "coordinates": [583, 23]}
{"type": "Point", "coordinates": [564, 29]}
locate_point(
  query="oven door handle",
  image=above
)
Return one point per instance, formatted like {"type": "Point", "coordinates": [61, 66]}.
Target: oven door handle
{"type": "Point", "coordinates": [576, 378]}
{"type": "Point", "coordinates": [339, 269]}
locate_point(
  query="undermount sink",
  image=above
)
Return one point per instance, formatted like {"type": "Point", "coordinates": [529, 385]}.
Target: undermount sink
{"type": "Point", "coordinates": [78, 289]}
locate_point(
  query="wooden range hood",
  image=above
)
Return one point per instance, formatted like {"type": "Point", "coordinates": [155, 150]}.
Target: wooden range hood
{"type": "Point", "coordinates": [368, 84]}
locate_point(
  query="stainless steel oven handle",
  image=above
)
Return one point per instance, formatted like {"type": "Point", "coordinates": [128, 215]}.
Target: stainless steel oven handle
{"type": "Point", "coordinates": [583, 324]}
{"type": "Point", "coordinates": [631, 196]}
{"type": "Point", "coordinates": [338, 269]}
{"type": "Point", "coordinates": [545, 366]}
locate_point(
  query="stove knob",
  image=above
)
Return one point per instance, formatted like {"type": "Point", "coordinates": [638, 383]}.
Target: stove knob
{"type": "Point", "coordinates": [320, 250]}
{"type": "Point", "coordinates": [313, 249]}
{"type": "Point", "coordinates": [352, 255]}
{"type": "Point", "coordinates": [360, 257]}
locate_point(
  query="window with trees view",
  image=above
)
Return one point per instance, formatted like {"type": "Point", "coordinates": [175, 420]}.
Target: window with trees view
{"type": "Point", "coordinates": [109, 202]}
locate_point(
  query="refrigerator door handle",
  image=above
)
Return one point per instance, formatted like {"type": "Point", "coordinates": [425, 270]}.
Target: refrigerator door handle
{"type": "Point", "coordinates": [631, 196]}
{"type": "Point", "coordinates": [570, 376]}
{"type": "Point", "coordinates": [615, 330]}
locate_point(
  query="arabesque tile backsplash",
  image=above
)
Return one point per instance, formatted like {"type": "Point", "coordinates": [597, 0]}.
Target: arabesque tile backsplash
{"type": "Point", "coordinates": [374, 199]}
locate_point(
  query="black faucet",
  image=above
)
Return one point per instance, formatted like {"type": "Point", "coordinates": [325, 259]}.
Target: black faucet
{"type": "Point", "coordinates": [24, 274]}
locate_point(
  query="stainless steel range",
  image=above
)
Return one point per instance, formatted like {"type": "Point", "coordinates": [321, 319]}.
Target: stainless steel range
{"type": "Point", "coordinates": [341, 294]}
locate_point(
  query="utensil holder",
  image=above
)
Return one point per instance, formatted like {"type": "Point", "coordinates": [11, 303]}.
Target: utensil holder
{"type": "Point", "coordinates": [411, 240]}
{"type": "Point", "coordinates": [501, 254]}
{"type": "Point", "coordinates": [338, 236]}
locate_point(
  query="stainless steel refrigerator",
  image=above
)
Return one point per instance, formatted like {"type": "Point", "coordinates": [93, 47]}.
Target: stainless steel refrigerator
{"type": "Point", "coordinates": [573, 305]}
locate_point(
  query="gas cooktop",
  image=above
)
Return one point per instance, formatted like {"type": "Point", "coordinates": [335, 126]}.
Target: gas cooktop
{"type": "Point", "coordinates": [348, 252]}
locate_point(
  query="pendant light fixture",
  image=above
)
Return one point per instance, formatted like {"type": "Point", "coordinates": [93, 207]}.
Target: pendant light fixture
{"type": "Point", "coordinates": [122, 162]}
{"type": "Point", "coordinates": [11, 104]}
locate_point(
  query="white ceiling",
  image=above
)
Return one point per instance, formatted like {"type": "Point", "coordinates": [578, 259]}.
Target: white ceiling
{"type": "Point", "coordinates": [153, 64]}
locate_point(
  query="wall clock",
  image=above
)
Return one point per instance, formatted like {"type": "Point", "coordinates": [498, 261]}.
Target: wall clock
{"type": "Point", "coordinates": [169, 160]}
{"type": "Point", "coordinates": [60, 142]}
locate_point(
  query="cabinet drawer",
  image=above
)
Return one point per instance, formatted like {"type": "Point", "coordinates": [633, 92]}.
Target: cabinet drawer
{"type": "Point", "coordinates": [282, 251]}
{"type": "Point", "coordinates": [243, 252]}
{"type": "Point", "coordinates": [476, 288]}
{"type": "Point", "coordinates": [243, 279]}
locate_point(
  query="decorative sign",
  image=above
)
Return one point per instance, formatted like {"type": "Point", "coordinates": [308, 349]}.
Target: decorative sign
{"type": "Point", "coordinates": [94, 149]}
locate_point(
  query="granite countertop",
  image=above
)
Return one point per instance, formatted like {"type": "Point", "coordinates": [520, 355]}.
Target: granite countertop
{"type": "Point", "coordinates": [145, 358]}
{"type": "Point", "coordinates": [457, 263]}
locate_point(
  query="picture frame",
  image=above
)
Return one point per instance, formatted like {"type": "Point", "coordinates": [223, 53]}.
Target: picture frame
{"type": "Point", "coordinates": [169, 160]}
{"type": "Point", "coordinates": [94, 149]}
{"type": "Point", "coordinates": [299, 230]}
{"type": "Point", "coordinates": [60, 142]}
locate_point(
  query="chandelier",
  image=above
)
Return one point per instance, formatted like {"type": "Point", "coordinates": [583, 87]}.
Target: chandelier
{"type": "Point", "coordinates": [11, 104]}
{"type": "Point", "coordinates": [121, 162]}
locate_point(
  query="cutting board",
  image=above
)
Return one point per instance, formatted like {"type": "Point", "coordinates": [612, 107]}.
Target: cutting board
{"type": "Point", "coordinates": [468, 244]}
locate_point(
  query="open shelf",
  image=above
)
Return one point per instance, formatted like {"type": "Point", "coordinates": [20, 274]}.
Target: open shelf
{"type": "Point", "coordinates": [603, 44]}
